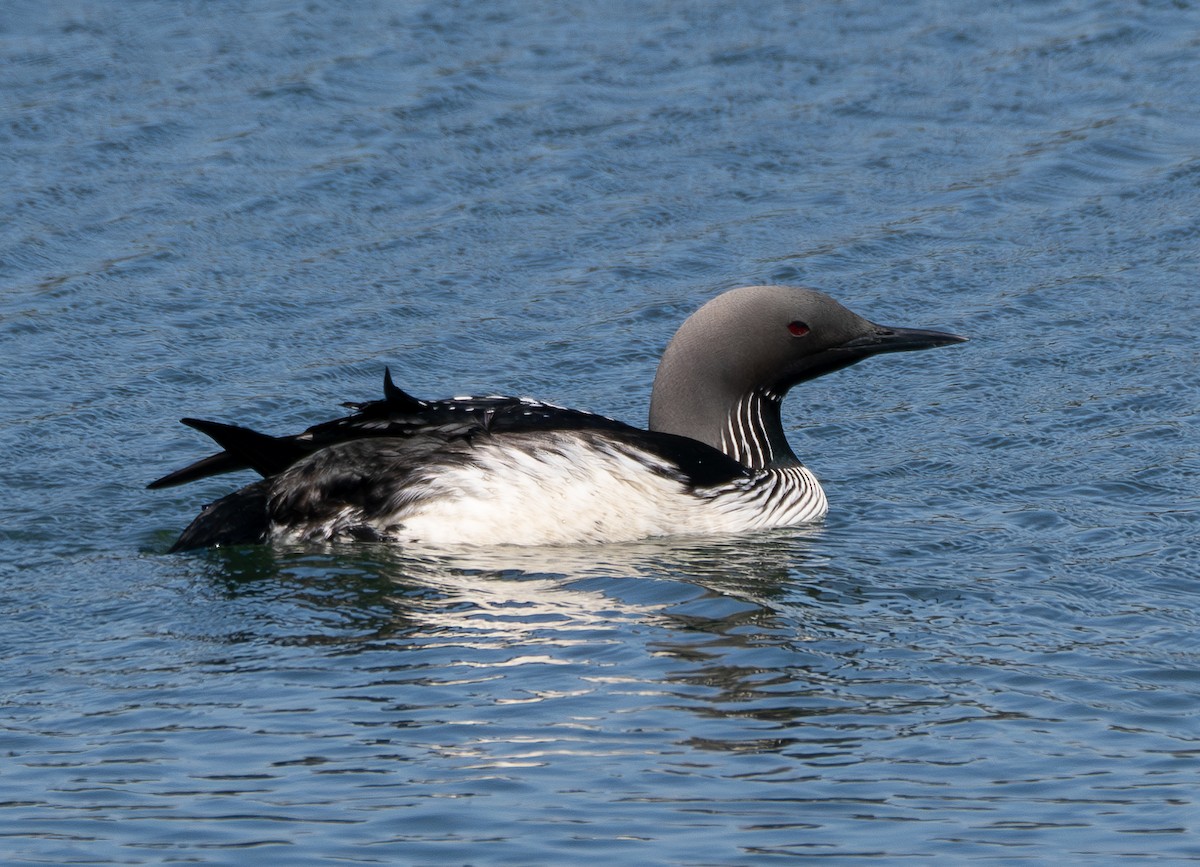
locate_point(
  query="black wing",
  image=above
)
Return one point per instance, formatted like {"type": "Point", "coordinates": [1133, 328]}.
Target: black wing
{"type": "Point", "coordinates": [399, 414]}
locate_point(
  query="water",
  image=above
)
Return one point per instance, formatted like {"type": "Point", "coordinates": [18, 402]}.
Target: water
{"type": "Point", "coordinates": [244, 211]}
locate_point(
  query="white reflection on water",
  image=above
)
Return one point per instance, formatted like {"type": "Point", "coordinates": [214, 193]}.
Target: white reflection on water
{"type": "Point", "coordinates": [573, 595]}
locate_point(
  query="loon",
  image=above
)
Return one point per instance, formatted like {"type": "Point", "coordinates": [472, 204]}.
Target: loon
{"type": "Point", "coordinates": [504, 470]}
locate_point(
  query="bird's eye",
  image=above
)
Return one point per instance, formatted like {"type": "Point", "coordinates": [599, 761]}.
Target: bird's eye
{"type": "Point", "coordinates": [798, 328]}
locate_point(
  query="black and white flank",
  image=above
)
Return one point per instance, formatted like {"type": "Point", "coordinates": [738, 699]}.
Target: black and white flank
{"type": "Point", "coordinates": [504, 470]}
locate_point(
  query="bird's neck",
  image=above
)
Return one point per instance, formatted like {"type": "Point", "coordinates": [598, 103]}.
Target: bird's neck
{"type": "Point", "coordinates": [753, 432]}
{"type": "Point", "coordinates": [745, 426]}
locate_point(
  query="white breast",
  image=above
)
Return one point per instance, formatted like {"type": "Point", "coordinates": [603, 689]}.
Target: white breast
{"type": "Point", "coordinates": [570, 487]}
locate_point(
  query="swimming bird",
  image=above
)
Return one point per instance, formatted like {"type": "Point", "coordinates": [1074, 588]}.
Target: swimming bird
{"type": "Point", "coordinates": [505, 470]}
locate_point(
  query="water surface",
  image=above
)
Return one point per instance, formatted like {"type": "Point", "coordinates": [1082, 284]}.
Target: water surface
{"type": "Point", "coordinates": [244, 211]}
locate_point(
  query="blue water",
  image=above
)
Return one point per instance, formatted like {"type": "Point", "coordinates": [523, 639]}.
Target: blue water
{"type": "Point", "coordinates": [243, 211]}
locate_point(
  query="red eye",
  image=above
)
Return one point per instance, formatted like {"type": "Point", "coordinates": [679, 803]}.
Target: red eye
{"type": "Point", "coordinates": [797, 328]}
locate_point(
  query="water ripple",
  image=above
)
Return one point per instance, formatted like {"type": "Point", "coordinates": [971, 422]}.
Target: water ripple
{"type": "Point", "coordinates": [986, 651]}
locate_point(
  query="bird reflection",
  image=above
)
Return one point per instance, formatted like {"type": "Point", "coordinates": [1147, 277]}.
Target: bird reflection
{"type": "Point", "coordinates": [362, 592]}
{"type": "Point", "coordinates": [724, 631]}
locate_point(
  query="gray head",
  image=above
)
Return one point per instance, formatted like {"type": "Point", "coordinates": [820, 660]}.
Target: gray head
{"type": "Point", "coordinates": [726, 370]}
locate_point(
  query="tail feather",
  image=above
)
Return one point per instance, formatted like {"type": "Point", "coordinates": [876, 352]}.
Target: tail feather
{"type": "Point", "coordinates": [268, 455]}
{"type": "Point", "coordinates": [397, 397]}
{"type": "Point", "coordinates": [213, 465]}
{"type": "Point", "coordinates": [263, 453]}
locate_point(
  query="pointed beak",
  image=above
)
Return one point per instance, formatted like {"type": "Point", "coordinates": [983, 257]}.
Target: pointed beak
{"type": "Point", "coordinates": [875, 340]}
{"type": "Point", "coordinates": [884, 338]}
